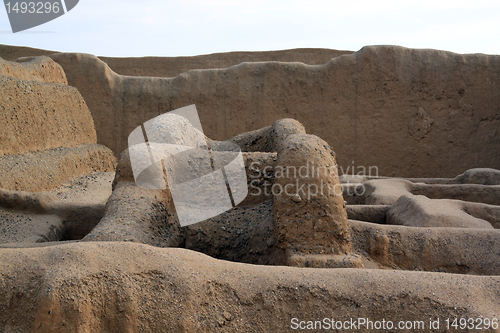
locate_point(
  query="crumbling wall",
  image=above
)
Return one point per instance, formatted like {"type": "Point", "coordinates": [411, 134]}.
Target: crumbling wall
{"type": "Point", "coordinates": [403, 112]}
{"type": "Point", "coordinates": [47, 134]}
{"type": "Point", "coordinates": [420, 113]}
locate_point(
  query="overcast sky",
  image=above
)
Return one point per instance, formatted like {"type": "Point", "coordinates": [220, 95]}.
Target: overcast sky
{"type": "Point", "coordinates": [192, 27]}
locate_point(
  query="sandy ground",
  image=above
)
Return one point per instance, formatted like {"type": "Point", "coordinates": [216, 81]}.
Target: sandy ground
{"type": "Point", "coordinates": [129, 287]}
{"type": "Point", "coordinates": [84, 196]}
{"type": "Point", "coordinates": [90, 188]}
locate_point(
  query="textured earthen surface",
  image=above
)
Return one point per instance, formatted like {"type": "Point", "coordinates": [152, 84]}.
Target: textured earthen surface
{"type": "Point", "coordinates": [47, 135]}
{"type": "Point", "coordinates": [117, 287]}
{"type": "Point", "coordinates": [394, 249]}
{"type": "Point", "coordinates": [436, 105]}
{"type": "Point", "coordinates": [47, 138]}
{"type": "Point", "coordinates": [39, 111]}
{"type": "Point", "coordinates": [42, 171]}
{"type": "Point", "coordinates": [42, 69]}
{"type": "Point", "coordinates": [440, 106]}
{"type": "Point", "coordinates": [11, 53]}
{"type": "Point", "coordinates": [173, 66]}
{"type": "Point", "coordinates": [311, 217]}
{"type": "Point", "coordinates": [449, 224]}
{"type": "Point", "coordinates": [303, 167]}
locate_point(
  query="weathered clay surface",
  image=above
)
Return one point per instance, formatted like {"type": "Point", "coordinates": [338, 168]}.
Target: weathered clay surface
{"type": "Point", "coordinates": [463, 232]}
{"type": "Point", "coordinates": [46, 170]}
{"type": "Point", "coordinates": [47, 139]}
{"type": "Point", "coordinates": [42, 69]}
{"type": "Point", "coordinates": [38, 116]}
{"type": "Point", "coordinates": [173, 66]}
{"type": "Point", "coordinates": [130, 273]}
{"type": "Point", "coordinates": [420, 211]}
{"type": "Point", "coordinates": [11, 53]}
{"type": "Point", "coordinates": [435, 104]}
{"type": "Point", "coordinates": [47, 135]}
{"type": "Point", "coordinates": [119, 287]}
{"type": "Point", "coordinates": [314, 223]}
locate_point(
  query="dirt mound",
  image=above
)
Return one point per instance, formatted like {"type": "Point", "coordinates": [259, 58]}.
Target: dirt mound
{"type": "Point", "coordinates": [449, 225]}
{"type": "Point", "coordinates": [120, 287]}
{"type": "Point", "coordinates": [420, 211]}
{"type": "Point", "coordinates": [295, 221]}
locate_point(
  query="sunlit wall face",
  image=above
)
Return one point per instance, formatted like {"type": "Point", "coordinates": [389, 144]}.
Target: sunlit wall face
{"type": "Point", "coordinates": [193, 27]}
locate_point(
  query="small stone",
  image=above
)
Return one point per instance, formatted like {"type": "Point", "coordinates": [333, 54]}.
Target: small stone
{"type": "Point", "coordinates": [227, 315]}
{"type": "Point", "coordinates": [296, 198]}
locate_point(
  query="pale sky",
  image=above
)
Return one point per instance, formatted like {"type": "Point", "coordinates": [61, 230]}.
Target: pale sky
{"type": "Point", "coordinates": [192, 27]}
